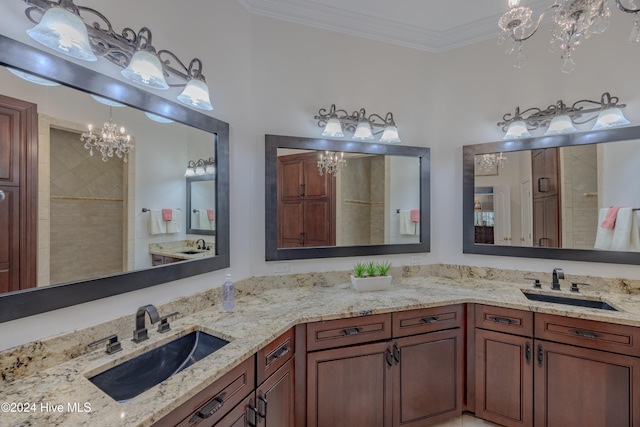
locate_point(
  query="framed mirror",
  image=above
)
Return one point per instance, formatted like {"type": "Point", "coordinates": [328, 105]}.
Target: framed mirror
{"type": "Point", "coordinates": [147, 183]}
{"type": "Point", "coordinates": [201, 205]}
{"type": "Point", "coordinates": [547, 197]}
{"type": "Point", "coordinates": [330, 198]}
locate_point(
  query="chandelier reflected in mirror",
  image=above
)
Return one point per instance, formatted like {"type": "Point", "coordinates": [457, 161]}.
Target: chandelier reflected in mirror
{"type": "Point", "coordinates": [331, 162]}
{"type": "Point", "coordinates": [487, 164]}
{"type": "Point", "coordinates": [573, 21]}
{"type": "Point", "coordinates": [109, 141]}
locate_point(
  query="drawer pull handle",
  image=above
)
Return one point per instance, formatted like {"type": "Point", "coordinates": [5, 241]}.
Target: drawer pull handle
{"type": "Point", "coordinates": [351, 331]}
{"type": "Point", "coordinates": [540, 355]}
{"type": "Point", "coordinates": [429, 319]}
{"type": "Point", "coordinates": [503, 320]}
{"type": "Point", "coordinates": [278, 354]}
{"type": "Point", "coordinates": [210, 408]}
{"type": "Point", "coordinates": [527, 352]}
{"type": "Point", "coordinates": [2, 196]}
{"type": "Point", "coordinates": [389, 357]}
{"type": "Point", "coordinates": [262, 400]}
{"type": "Point", "coordinates": [586, 334]}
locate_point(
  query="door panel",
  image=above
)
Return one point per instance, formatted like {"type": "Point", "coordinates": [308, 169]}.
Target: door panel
{"type": "Point", "coordinates": [9, 243]}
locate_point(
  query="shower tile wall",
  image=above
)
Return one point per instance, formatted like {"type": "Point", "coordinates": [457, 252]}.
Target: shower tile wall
{"type": "Point", "coordinates": [579, 196]}
{"type": "Point", "coordinates": [87, 211]}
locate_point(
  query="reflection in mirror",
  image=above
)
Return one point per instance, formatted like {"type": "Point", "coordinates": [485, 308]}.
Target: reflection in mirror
{"type": "Point", "coordinates": [552, 200]}
{"type": "Point", "coordinates": [93, 233]}
{"type": "Point", "coordinates": [201, 205]}
{"type": "Point", "coordinates": [375, 201]}
{"type": "Point", "coordinates": [368, 202]}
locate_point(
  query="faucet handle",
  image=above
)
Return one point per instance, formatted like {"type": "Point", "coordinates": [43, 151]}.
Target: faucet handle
{"type": "Point", "coordinates": [536, 282]}
{"type": "Point", "coordinates": [574, 286]}
{"type": "Point", "coordinates": [113, 346]}
{"type": "Point", "coordinates": [164, 322]}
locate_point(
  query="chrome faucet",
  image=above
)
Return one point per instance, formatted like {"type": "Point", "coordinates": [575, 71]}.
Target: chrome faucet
{"type": "Point", "coordinates": [558, 273]}
{"type": "Point", "coordinates": [140, 333]}
{"type": "Point", "coordinates": [204, 245]}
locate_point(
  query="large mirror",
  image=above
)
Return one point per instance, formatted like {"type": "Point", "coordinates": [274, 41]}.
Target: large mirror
{"type": "Point", "coordinates": [109, 227]}
{"type": "Point", "coordinates": [331, 198]}
{"type": "Point", "coordinates": [201, 205]}
{"type": "Point", "coordinates": [548, 197]}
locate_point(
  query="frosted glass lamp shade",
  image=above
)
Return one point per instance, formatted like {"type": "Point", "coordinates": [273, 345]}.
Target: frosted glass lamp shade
{"type": "Point", "coordinates": [196, 94]}
{"type": "Point", "coordinates": [157, 118]}
{"type": "Point", "coordinates": [31, 78]}
{"type": "Point", "coordinates": [107, 101]}
{"type": "Point", "coordinates": [609, 118]}
{"type": "Point", "coordinates": [200, 170]}
{"type": "Point", "coordinates": [390, 134]}
{"type": "Point", "coordinates": [560, 125]}
{"type": "Point", "coordinates": [210, 169]}
{"type": "Point", "coordinates": [64, 32]}
{"type": "Point", "coordinates": [333, 128]}
{"type": "Point", "coordinates": [189, 172]}
{"type": "Point", "coordinates": [517, 129]}
{"type": "Point", "coordinates": [145, 69]}
{"type": "Point", "coordinates": [363, 131]}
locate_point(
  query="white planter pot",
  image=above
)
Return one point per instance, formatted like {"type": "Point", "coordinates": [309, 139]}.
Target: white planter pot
{"type": "Point", "coordinates": [365, 284]}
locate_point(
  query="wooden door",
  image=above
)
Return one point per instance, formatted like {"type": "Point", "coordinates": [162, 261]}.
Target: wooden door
{"type": "Point", "coordinates": [350, 386]}
{"type": "Point", "coordinates": [306, 203]}
{"type": "Point", "coordinates": [545, 171]}
{"type": "Point", "coordinates": [276, 398]}
{"type": "Point", "coordinates": [504, 378]}
{"type": "Point", "coordinates": [546, 222]}
{"type": "Point", "coordinates": [18, 201]}
{"type": "Point", "coordinates": [428, 378]}
{"type": "Point", "coordinates": [585, 388]}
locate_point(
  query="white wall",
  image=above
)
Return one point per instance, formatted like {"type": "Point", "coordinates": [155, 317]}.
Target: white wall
{"type": "Point", "coordinates": [268, 76]}
{"type": "Point", "coordinates": [620, 163]}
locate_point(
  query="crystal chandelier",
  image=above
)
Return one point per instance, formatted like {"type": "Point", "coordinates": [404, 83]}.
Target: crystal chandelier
{"type": "Point", "coordinates": [331, 163]}
{"type": "Point", "coordinates": [488, 163]}
{"type": "Point", "coordinates": [573, 22]}
{"type": "Point", "coordinates": [112, 140]}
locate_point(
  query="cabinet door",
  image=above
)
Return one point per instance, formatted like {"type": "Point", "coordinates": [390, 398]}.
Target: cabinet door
{"type": "Point", "coordinates": [427, 380]}
{"type": "Point", "coordinates": [586, 388]}
{"type": "Point", "coordinates": [275, 398]}
{"type": "Point", "coordinates": [504, 378]}
{"type": "Point", "coordinates": [350, 386]}
{"type": "Point", "coordinates": [243, 415]}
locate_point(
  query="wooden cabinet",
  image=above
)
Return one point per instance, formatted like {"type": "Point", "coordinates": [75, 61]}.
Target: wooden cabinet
{"type": "Point", "coordinates": [411, 375]}
{"type": "Point", "coordinates": [503, 366]}
{"type": "Point", "coordinates": [545, 171]}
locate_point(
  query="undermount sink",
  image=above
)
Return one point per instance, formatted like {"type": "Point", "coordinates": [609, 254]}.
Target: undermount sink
{"type": "Point", "coordinates": [129, 379]}
{"type": "Point", "coordinates": [576, 302]}
{"type": "Point", "coordinates": [191, 252]}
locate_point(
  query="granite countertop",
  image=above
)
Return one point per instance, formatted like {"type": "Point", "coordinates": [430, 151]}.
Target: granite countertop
{"type": "Point", "coordinates": [258, 317]}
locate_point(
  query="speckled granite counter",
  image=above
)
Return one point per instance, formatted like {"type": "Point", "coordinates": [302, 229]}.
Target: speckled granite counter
{"type": "Point", "coordinates": [261, 314]}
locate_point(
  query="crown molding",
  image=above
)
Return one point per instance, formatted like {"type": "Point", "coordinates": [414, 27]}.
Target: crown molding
{"type": "Point", "coordinates": [361, 25]}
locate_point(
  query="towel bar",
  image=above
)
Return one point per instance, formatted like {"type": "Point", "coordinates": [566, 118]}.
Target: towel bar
{"type": "Point", "coordinates": [149, 210]}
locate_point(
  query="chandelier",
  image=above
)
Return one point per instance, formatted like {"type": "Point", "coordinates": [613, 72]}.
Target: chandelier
{"type": "Point", "coordinates": [488, 163]}
{"type": "Point", "coordinates": [201, 167]}
{"type": "Point", "coordinates": [331, 163]}
{"type": "Point", "coordinates": [573, 22]}
{"type": "Point", "coordinates": [60, 25]}
{"type": "Point", "coordinates": [560, 118]}
{"type": "Point", "coordinates": [335, 121]}
{"type": "Point", "coordinates": [111, 141]}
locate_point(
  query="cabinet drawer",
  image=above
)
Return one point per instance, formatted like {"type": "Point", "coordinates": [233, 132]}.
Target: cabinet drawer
{"type": "Point", "coordinates": [211, 404]}
{"type": "Point", "coordinates": [337, 333]}
{"type": "Point", "coordinates": [508, 320]}
{"type": "Point", "coordinates": [589, 333]}
{"type": "Point", "coordinates": [274, 355]}
{"type": "Point", "coordinates": [424, 320]}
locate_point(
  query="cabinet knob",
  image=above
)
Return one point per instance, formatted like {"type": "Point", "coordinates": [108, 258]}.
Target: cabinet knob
{"type": "Point", "coordinates": [2, 196]}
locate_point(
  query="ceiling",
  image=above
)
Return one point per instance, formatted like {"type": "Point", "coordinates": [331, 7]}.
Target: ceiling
{"type": "Point", "coordinates": [429, 25]}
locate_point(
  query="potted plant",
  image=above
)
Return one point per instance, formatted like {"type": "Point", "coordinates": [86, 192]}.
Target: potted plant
{"type": "Point", "coordinates": [371, 276]}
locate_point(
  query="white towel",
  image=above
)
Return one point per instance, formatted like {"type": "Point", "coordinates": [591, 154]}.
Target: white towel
{"type": "Point", "coordinates": [203, 220]}
{"type": "Point", "coordinates": [407, 226]}
{"type": "Point", "coordinates": [625, 233]}
{"type": "Point", "coordinates": [157, 225]}
{"type": "Point", "coordinates": [173, 226]}
{"type": "Point", "coordinates": [603, 235]}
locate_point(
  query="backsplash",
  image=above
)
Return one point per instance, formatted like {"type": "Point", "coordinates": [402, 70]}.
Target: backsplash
{"type": "Point", "coordinates": [30, 358]}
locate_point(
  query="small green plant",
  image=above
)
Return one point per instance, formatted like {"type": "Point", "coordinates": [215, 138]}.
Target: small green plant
{"type": "Point", "coordinates": [383, 268]}
{"type": "Point", "coordinates": [359, 268]}
{"type": "Point", "coordinates": [371, 269]}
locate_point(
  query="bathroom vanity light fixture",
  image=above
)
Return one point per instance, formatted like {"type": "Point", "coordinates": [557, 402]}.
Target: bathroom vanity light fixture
{"type": "Point", "coordinates": [64, 27]}
{"type": "Point", "coordinates": [560, 118]}
{"type": "Point", "coordinates": [111, 140]}
{"type": "Point", "coordinates": [201, 167]}
{"type": "Point", "coordinates": [364, 128]}
{"type": "Point", "coordinates": [573, 21]}
{"type": "Point", "coordinates": [331, 162]}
